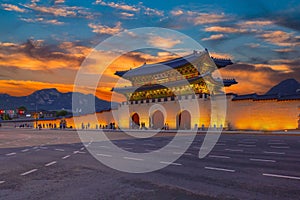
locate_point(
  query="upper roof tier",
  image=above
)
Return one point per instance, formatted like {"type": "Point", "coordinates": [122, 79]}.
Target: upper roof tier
{"type": "Point", "coordinates": [166, 65]}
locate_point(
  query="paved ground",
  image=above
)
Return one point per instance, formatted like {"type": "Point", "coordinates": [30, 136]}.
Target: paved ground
{"type": "Point", "coordinates": [55, 165]}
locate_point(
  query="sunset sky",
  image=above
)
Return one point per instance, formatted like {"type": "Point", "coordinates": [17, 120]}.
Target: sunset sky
{"type": "Point", "coordinates": [43, 43]}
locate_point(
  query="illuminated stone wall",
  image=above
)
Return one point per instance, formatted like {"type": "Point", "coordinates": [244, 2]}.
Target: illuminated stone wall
{"type": "Point", "coordinates": [263, 114]}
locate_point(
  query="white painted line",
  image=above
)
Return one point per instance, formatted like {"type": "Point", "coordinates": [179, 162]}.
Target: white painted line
{"type": "Point", "coordinates": [131, 158]}
{"type": "Point", "coordinates": [104, 155]}
{"type": "Point", "coordinates": [11, 154]}
{"type": "Point", "coordinates": [247, 145]}
{"type": "Point", "coordinates": [261, 160]}
{"type": "Point", "coordinates": [273, 152]}
{"type": "Point", "coordinates": [81, 152]}
{"type": "Point", "coordinates": [50, 163]}
{"type": "Point", "coordinates": [234, 150]}
{"type": "Point", "coordinates": [24, 150]}
{"type": "Point", "coordinates": [82, 148]}
{"type": "Point", "coordinates": [215, 156]}
{"type": "Point", "coordinates": [130, 143]}
{"type": "Point", "coordinates": [65, 157]}
{"type": "Point", "coordinates": [147, 144]}
{"type": "Point", "coordinates": [220, 169]}
{"type": "Point", "coordinates": [282, 176]}
{"type": "Point", "coordinates": [280, 147]}
{"type": "Point", "coordinates": [59, 149]}
{"type": "Point", "coordinates": [106, 147]}
{"type": "Point", "coordinates": [170, 163]}
{"type": "Point", "coordinates": [179, 153]}
{"type": "Point", "coordinates": [276, 143]}
{"type": "Point", "coordinates": [44, 147]}
{"type": "Point", "coordinates": [28, 172]}
{"type": "Point", "coordinates": [75, 152]}
{"type": "Point", "coordinates": [2, 182]}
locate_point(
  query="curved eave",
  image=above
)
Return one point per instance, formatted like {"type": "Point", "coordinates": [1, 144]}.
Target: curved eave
{"type": "Point", "coordinates": [220, 63]}
{"type": "Point", "coordinates": [159, 86]}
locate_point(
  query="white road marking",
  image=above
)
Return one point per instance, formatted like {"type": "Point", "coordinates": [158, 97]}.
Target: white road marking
{"type": "Point", "coordinates": [11, 154]}
{"type": "Point", "coordinates": [276, 143]}
{"type": "Point", "coordinates": [179, 153]}
{"type": "Point", "coordinates": [104, 155]}
{"type": "Point", "coordinates": [130, 143]}
{"type": "Point", "coordinates": [24, 150]}
{"type": "Point", "coordinates": [82, 148]}
{"type": "Point", "coordinates": [127, 148]}
{"type": "Point", "coordinates": [28, 172]}
{"type": "Point", "coordinates": [65, 157]}
{"type": "Point", "coordinates": [2, 182]}
{"type": "Point", "coordinates": [280, 147]}
{"type": "Point", "coordinates": [282, 176]}
{"type": "Point", "coordinates": [106, 147]}
{"type": "Point", "coordinates": [261, 160]}
{"type": "Point", "coordinates": [247, 145]}
{"type": "Point", "coordinates": [215, 156]}
{"type": "Point", "coordinates": [75, 152]}
{"type": "Point", "coordinates": [170, 163]}
{"type": "Point", "coordinates": [59, 149]}
{"type": "Point", "coordinates": [273, 152]}
{"type": "Point", "coordinates": [234, 150]}
{"type": "Point", "coordinates": [131, 158]}
{"type": "Point", "coordinates": [220, 169]}
{"type": "Point", "coordinates": [147, 144]}
{"type": "Point", "coordinates": [81, 152]}
{"type": "Point", "coordinates": [50, 163]}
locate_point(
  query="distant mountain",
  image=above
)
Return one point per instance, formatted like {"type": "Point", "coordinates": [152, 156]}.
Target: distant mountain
{"type": "Point", "coordinates": [52, 99]}
{"type": "Point", "coordinates": [286, 87]}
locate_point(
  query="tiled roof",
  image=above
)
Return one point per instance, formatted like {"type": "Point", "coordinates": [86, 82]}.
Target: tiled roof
{"type": "Point", "coordinates": [174, 63]}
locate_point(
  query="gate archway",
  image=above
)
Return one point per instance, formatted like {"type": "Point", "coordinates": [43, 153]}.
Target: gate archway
{"type": "Point", "coordinates": [158, 120]}
{"type": "Point", "coordinates": [135, 119]}
{"type": "Point", "coordinates": [184, 120]}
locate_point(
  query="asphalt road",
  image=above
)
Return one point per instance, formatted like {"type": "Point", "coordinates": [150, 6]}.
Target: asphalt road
{"type": "Point", "coordinates": [56, 165]}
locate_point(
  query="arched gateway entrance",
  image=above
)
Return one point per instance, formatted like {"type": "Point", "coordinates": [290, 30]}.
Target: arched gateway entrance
{"type": "Point", "coordinates": [135, 119]}
{"type": "Point", "coordinates": [183, 120]}
{"type": "Point", "coordinates": [157, 120]}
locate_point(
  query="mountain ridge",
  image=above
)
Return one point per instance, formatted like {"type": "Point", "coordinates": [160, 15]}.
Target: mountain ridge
{"type": "Point", "coordinates": [51, 99]}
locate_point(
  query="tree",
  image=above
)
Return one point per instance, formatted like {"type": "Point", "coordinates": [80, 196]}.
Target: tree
{"type": "Point", "coordinates": [22, 108]}
{"type": "Point", "coordinates": [61, 113]}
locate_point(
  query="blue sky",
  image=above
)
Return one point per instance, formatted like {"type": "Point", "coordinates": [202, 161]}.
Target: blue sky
{"type": "Point", "coordinates": [261, 37]}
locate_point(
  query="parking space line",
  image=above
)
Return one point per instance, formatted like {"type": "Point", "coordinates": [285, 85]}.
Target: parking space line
{"type": "Point", "coordinates": [220, 169]}
{"type": "Point", "coordinates": [170, 163]}
{"type": "Point", "coordinates": [216, 156]}
{"type": "Point", "coordinates": [65, 157]}
{"type": "Point", "coordinates": [282, 176]}
{"type": "Point", "coordinates": [104, 155]}
{"type": "Point", "coordinates": [261, 160]}
{"type": "Point", "coordinates": [274, 152]}
{"type": "Point", "coordinates": [28, 172]}
{"type": "Point", "coordinates": [50, 163]}
{"type": "Point", "coordinates": [131, 158]}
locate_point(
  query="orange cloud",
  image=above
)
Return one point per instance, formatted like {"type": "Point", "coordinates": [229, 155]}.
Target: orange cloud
{"type": "Point", "coordinates": [280, 38]}
{"type": "Point", "coordinates": [10, 7]}
{"type": "Point", "coordinates": [256, 23]}
{"type": "Point", "coordinates": [225, 29]}
{"type": "Point", "coordinates": [214, 37]}
{"type": "Point", "coordinates": [162, 42]}
{"type": "Point", "coordinates": [102, 29]}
